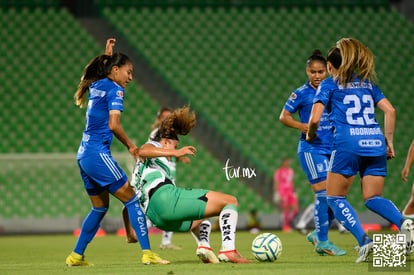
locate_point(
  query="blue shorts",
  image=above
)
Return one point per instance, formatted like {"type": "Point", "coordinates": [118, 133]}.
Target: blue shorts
{"type": "Point", "coordinates": [349, 164]}
{"type": "Point", "coordinates": [100, 173]}
{"type": "Point", "coordinates": [315, 165]}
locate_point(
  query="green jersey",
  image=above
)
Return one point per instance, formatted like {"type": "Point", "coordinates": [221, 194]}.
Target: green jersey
{"type": "Point", "coordinates": [150, 173]}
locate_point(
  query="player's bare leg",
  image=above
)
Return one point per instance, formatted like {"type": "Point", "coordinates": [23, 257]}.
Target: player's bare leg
{"type": "Point", "coordinates": [130, 233]}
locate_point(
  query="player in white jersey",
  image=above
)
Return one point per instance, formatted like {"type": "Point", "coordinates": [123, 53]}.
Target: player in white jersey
{"type": "Point", "coordinates": [172, 208]}
{"type": "Point", "coordinates": [166, 240]}
{"type": "Point", "coordinates": [350, 97]}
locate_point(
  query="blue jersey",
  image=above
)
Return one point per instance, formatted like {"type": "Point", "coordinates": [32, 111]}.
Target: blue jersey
{"type": "Point", "coordinates": [301, 101]}
{"type": "Point", "coordinates": [351, 111]}
{"type": "Point", "coordinates": [104, 95]}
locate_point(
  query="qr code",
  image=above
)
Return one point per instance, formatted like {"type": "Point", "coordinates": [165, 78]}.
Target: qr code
{"type": "Point", "coordinates": [389, 251]}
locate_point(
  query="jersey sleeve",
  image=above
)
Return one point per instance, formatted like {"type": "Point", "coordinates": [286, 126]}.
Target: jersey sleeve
{"type": "Point", "coordinates": [322, 93]}
{"type": "Point", "coordinates": [116, 99]}
{"type": "Point", "coordinates": [377, 94]}
{"type": "Point", "coordinates": [293, 102]}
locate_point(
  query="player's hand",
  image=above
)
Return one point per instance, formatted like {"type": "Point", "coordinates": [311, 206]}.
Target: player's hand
{"type": "Point", "coordinates": [390, 150]}
{"type": "Point", "coordinates": [134, 151]}
{"type": "Point", "coordinates": [304, 129]}
{"type": "Point", "coordinates": [404, 174]}
{"type": "Point", "coordinates": [310, 138]}
{"type": "Point", "coordinates": [186, 150]}
{"type": "Point", "coordinates": [110, 43]}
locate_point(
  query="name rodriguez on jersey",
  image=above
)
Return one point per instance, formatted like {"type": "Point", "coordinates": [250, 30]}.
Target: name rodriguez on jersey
{"type": "Point", "coordinates": [358, 131]}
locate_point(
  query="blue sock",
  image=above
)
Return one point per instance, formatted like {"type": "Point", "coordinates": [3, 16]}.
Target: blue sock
{"type": "Point", "coordinates": [386, 209]}
{"type": "Point", "coordinates": [321, 216]}
{"type": "Point", "coordinates": [138, 222]}
{"type": "Point", "coordinates": [89, 227]}
{"type": "Point", "coordinates": [347, 216]}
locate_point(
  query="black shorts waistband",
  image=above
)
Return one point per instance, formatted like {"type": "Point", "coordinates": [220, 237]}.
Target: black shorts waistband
{"type": "Point", "coordinates": [153, 190]}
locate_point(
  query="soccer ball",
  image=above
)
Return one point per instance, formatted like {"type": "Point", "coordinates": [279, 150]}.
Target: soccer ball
{"type": "Point", "coordinates": [267, 247]}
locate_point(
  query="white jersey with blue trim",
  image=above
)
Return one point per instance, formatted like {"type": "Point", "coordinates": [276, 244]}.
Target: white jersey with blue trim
{"type": "Point", "coordinates": [301, 101]}
{"type": "Point", "coordinates": [351, 111]}
{"type": "Point", "coordinates": [104, 95]}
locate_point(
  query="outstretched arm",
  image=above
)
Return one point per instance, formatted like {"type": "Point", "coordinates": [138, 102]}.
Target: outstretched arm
{"type": "Point", "coordinates": [150, 151]}
{"type": "Point", "coordinates": [408, 162]}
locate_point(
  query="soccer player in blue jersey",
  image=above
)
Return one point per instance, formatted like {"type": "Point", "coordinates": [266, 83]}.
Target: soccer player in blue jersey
{"type": "Point", "coordinates": [350, 97]}
{"type": "Point", "coordinates": [314, 157]}
{"type": "Point", "coordinates": [106, 77]}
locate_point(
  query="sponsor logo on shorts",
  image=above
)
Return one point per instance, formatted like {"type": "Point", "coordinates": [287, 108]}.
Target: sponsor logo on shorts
{"type": "Point", "coordinates": [370, 143]}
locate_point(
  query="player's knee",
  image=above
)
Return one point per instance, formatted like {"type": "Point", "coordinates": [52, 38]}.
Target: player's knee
{"type": "Point", "coordinates": [232, 200]}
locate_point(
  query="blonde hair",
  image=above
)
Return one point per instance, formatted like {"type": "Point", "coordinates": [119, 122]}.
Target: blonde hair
{"type": "Point", "coordinates": [352, 59]}
{"type": "Point", "coordinates": [180, 122]}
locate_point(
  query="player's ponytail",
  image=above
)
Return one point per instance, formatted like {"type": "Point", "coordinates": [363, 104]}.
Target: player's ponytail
{"type": "Point", "coordinates": [352, 59]}
{"type": "Point", "coordinates": [180, 122]}
{"type": "Point", "coordinates": [316, 56]}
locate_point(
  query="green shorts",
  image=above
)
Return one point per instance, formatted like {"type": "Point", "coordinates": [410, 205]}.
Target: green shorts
{"type": "Point", "coordinates": [173, 208]}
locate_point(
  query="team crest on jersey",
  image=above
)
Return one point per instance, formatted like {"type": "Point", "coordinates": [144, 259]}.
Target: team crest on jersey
{"type": "Point", "coordinates": [293, 96]}
{"type": "Point", "coordinates": [120, 93]}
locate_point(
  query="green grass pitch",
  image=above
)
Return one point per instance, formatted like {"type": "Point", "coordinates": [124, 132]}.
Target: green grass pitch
{"type": "Point", "coordinates": [43, 254]}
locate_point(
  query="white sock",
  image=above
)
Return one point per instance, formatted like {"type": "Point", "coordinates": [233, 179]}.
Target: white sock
{"type": "Point", "coordinates": [202, 237]}
{"type": "Point", "coordinates": [205, 230]}
{"type": "Point", "coordinates": [228, 222]}
{"type": "Point", "coordinates": [166, 237]}
{"type": "Point", "coordinates": [306, 217]}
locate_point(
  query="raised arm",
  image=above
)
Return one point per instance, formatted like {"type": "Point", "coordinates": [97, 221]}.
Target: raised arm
{"type": "Point", "coordinates": [110, 43]}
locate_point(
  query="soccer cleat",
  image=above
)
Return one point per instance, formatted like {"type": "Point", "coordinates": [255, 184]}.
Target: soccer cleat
{"type": "Point", "coordinates": [407, 228]}
{"type": "Point", "coordinates": [206, 255]}
{"type": "Point", "coordinates": [312, 237]}
{"type": "Point", "coordinates": [149, 257]}
{"type": "Point", "coordinates": [170, 246]}
{"type": "Point", "coordinates": [74, 259]}
{"type": "Point", "coordinates": [328, 248]}
{"type": "Point", "coordinates": [232, 256]}
{"type": "Point", "coordinates": [364, 252]}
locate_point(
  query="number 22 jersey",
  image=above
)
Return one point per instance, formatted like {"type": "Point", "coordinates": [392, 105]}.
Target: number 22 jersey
{"type": "Point", "coordinates": [351, 110]}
